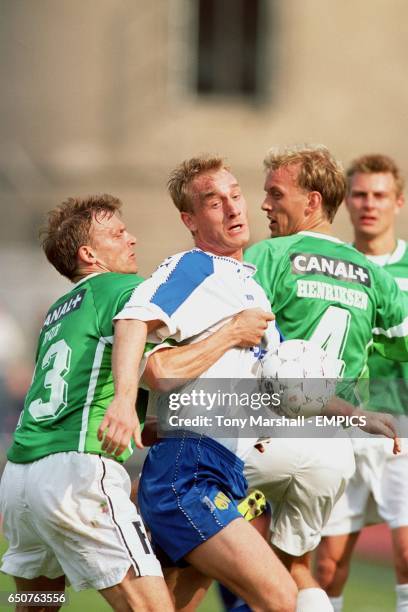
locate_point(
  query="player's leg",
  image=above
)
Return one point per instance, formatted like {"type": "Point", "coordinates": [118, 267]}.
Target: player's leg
{"type": "Point", "coordinates": [187, 586]}
{"type": "Point", "coordinates": [311, 596]}
{"type": "Point", "coordinates": [242, 560]}
{"type": "Point", "coordinates": [138, 593]}
{"type": "Point", "coordinates": [28, 559]}
{"type": "Point", "coordinates": [86, 518]}
{"type": "Point", "coordinates": [333, 562]}
{"type": "Point", "coordinates": [394, 507]}
{"type": "Point", "coordinates": [42, 584]}
{"type": "Point", "coordinates": [400, 548]}
{"type": "Point", "coordinates": [188, 498]}
{"type": "Point", "coordinates": [255, 509]}
{"type": "Point", "coordinates": [303, 479]}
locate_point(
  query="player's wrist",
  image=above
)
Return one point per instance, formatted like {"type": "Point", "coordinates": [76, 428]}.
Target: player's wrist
{"type": "Point", "coordinates": [126, 398]}
{"type": "Point", "coordinates": [229, 334]}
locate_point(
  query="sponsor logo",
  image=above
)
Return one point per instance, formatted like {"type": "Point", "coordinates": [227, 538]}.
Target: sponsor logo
{"type": "Point", "coordinates": [221, 501]}
{"type": "Point", "coordinates": [64, 309]}
{"type": "Point", "coordinates": [308, 263]}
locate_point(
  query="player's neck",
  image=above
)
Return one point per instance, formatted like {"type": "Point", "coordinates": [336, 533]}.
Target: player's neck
{"type": "Point", "coordinates": [376, 245]}
{"type": "Point", "coordinates": [87, 271]}
{"type": "Point", "coordinates": [221, 252]}
{"type": "Point", "coordinates": [322, 227]}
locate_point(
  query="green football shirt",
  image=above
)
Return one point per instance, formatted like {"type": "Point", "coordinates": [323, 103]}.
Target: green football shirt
{"type": "Point", "coordinates": [388, 379]}
{"type": "Point", "coordinates": [324, 290]}
{"type": "Point", "coordinates": [72, 384]}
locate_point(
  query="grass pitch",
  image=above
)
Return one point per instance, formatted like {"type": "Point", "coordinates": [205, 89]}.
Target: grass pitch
{"type": "Point", "coordinates": [370, 589]}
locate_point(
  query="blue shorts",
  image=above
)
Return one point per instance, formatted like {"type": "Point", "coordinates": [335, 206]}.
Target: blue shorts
{"type": "Point", "coordinates": [188, 492]}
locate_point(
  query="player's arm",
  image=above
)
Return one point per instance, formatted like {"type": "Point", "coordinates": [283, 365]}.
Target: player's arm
{"type": "Point", "coordinates": [120, 422]}
{"type": "Point", "coordinates": [165, 368]}
{"type": "Point", "coordinates": [377, 423]}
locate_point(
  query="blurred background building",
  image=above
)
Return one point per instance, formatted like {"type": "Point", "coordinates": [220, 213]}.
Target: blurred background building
{"type": "Point", "coordinates": [108, 95]}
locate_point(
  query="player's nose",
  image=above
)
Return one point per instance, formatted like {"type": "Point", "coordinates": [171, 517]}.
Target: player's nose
{"type": "Point", "coordinates": [369, 201]}
{"type": "Point", "coordinates": [232, 208]}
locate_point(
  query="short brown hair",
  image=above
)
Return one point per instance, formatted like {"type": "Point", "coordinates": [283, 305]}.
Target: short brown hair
{"type": "Point", "coordinates": [375, 163]}
{"type": "Point", "coordinates": [68, 228]}
{"type": "Point", "coordinates": [181, 178]}
{"type": "Point", "coordinates": [318, 171]}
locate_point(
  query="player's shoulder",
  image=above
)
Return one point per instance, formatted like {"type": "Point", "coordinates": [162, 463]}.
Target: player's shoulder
{"type": "Point", "coordinates": [114, 282]}
{"type": "Point", "coordinates": [109, 290]}
{"type": "Point", "coordinates": [271, 245]}
{"type": "Point", "coordinates": [400, 256]}
{"type": "Point", "coordinates": [193, 264]}
{"type": "Point", "coordinates": [185, 259]}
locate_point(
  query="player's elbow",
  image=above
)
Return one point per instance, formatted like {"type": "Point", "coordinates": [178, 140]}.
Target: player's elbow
{"type": "Point", "coordinates": [157, 375]}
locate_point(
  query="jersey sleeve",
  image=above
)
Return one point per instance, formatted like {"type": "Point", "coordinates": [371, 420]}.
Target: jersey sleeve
{"type": "Point", "coordinates": [188, 293]}
{"type": "Point", "coordinates": [390, 334]}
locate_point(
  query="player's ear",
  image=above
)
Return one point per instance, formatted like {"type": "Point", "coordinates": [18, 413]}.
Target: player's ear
{"type": "Point", "coordinates": [189, 221]}
{"type": "Point", "coordinates": [399, 204]}
{"type": "Point", "coordinates": [86, 254]}
{"type": "Point", "coordinates": [314, 203]}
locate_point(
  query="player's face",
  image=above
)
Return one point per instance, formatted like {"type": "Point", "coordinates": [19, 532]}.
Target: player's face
{"type": "Point", "coordinates": [373, 203]}
{"type": "Point", "coordinates": [285, 202]}
{"type": "Point", "coordinates": [112, 245]}
{"type": "Point", "coordinates": [219, 219]}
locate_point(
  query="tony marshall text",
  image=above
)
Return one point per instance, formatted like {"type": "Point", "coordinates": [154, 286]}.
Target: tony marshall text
{"type": "Point", "coordinates": [260, 421]}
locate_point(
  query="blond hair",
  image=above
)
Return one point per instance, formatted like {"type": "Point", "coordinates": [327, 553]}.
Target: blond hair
{"type": "Point", "coordinates": [69, 226]}
{"type": "Point", "coordinates": [318, 171]}
{"type": "Point", "coordinates": [183, 175]}
{"type": "Point", "coordinates": [376, 163]}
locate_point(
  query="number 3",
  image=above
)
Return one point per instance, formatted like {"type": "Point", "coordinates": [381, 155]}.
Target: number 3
{"type": "Point", "coordinates": [53, 380]}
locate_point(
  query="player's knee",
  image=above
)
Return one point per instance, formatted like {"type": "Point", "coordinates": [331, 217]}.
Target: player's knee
{"type": "Point", "coordinates": [280, 598]}
{"type": "Point", "coordinates": [401, 564]}
{"type": "Point", "coordinates": [331, 573]}
{"type": "Point", "coordinates": [132, 600]}
{"type": "Point", "coordinates": [145, 594]}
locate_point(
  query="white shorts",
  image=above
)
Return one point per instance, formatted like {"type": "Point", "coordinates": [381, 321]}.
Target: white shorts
{"type": "Point", "coordinates": [302, 479]}
{"type": "Point", "coordinates": [70, 513]}
{"type": "Point", "coordinates": [378, 491]}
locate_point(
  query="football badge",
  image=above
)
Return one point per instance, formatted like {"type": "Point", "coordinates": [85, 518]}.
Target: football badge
{"type": "Point", "coordinates": [221, 501]}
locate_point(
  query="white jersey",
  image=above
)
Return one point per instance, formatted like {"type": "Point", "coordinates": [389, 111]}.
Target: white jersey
{"type": "Point", "coordinates": [193, 293]}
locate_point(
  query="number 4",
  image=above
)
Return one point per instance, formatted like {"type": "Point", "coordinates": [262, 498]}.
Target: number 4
{"type": "Point", "coordinates": [332, 331]}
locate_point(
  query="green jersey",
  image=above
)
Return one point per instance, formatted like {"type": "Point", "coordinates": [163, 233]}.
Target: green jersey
{"type": "Point", "coordinates": [389, 380]}
{"type": "Point", "coordinates": [72, 384]}
{"type": "Point", "coordinates": [324, 290]}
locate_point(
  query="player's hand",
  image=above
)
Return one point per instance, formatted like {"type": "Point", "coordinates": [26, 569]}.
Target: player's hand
{"type": "Point", "coordinates": [382, 424]}
{"type": "Point", "coordinates": [119, 425]}
{"type": "Point", "coordinates": [397, 447]}
{"type": "Point", "coordinates": [249, 326]}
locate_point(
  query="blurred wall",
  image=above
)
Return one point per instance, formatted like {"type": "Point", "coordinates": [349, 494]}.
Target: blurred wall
{"type": "Point", "coordinates": [99, 95]}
